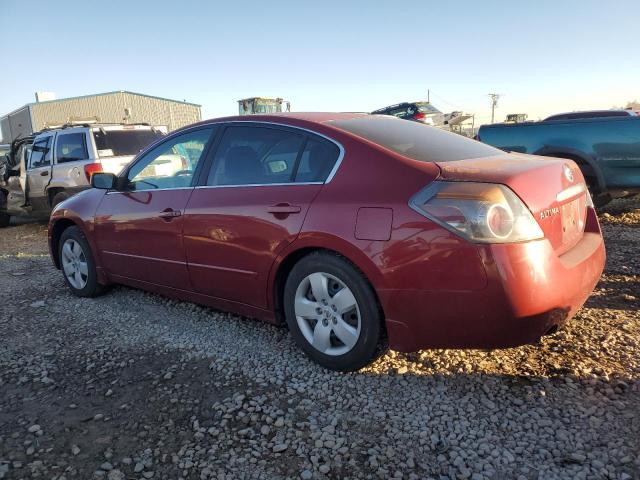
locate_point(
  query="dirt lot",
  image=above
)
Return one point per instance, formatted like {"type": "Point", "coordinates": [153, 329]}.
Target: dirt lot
{"type": "Point", "coordinates": [133, 385]}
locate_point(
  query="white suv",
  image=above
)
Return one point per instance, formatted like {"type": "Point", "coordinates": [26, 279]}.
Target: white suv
{"type": "Point", "coordinates": [62, 161]}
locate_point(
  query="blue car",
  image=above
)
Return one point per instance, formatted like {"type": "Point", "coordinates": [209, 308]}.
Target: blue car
{"type": "Point", "coordinates": [605, 145]}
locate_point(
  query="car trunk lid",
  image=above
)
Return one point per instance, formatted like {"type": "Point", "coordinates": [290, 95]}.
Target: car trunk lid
{"type": "Point", "coordinates": [553, 189]}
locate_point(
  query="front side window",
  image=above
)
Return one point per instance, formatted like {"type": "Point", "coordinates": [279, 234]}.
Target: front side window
{"type": "Point", "coordinates": [172, 163]}
{"type": "Point", "coordinates": [71, 147]}
{"type": "Point", "coordinates": [256, 156]}
{"type": "Point", "coordinates": [40, 153]}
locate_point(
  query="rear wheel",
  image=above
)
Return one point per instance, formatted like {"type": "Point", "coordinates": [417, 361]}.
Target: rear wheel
{"type": "Point", "coordinates": [599, 198]}
{"type": "Point", "coordinates": [332, 312]}
{"type": "Point", "coordinates": [5, 219]}
{"type": "Point", "coordinates": [78, 265]}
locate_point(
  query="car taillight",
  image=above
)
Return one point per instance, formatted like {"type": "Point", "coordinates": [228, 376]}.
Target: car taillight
{"type": "Point", "coordinates": [91, 168]}
{"type": "Point", "coordinates": [480, 212]}
{"type": "Point", "coordinates": [419, 116]}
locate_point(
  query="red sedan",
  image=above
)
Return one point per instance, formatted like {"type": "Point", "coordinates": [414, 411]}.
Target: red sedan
{"type": "Point", "coordinates": [356, 230]}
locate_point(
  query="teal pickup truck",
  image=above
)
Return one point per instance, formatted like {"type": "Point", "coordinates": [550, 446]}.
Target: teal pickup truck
{"type": "Point", "coordinates": [606, 146]}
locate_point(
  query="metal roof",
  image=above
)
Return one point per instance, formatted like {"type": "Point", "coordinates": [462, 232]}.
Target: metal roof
{"type": "Point", "coordinates": [111, 93]}
{"type": "Point", "coordinates": [99, 95]}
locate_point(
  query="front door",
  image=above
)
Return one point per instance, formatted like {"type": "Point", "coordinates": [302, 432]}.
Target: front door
{"type": "Point", "coordinates": [17, 181]}
{"type": "Point", "coordinates": [38, 174]}
{"type": "Point", "coordinates": [256, 196]}
{"type": "Point", "coordinates": [139, 230]}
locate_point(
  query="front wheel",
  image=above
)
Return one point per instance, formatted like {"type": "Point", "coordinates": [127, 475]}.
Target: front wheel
{"type": "Point", "coordinates": [59, 198]}
{"type": "Point", "coordinates": [332, 312]}
{"type": "Point", "coordinates": [78, 266]}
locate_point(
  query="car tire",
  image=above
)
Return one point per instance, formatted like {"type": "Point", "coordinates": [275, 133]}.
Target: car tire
{"type": "Point", "coordinates": [601, 200]}
{"type": "Point", "coordinates": [77, 264]}
{"type": "Point", "coordinates": [332, 312]}
{"type": "Point", "coordinates": [58, 198]}
{"type": "Point", "coordinates": [5, 219]}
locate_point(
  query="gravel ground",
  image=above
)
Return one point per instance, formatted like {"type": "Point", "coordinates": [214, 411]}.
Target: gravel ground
{"type": "Point", "coordinates": [133, 385]}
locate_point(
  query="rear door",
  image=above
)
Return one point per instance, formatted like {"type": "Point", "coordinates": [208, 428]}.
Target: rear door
{"type": "Point", "coordinates": [138, 231]}
{"type": "Point", "coordinates": [251, 205]}
{"type": "Point", "coordinates": [39, 172]}
{"type": "Point", "coordinates": [71, 154]}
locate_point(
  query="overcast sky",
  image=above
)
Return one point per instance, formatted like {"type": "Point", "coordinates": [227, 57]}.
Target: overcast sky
{"type": "Point", "coordinates": [543, 57]}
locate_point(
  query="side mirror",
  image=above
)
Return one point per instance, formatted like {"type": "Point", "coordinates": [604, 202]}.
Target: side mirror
{"type": "Point", "coordinates": [104, 181]}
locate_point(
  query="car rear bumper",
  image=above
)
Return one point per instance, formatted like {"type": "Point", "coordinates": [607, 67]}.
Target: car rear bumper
{"type": "Point", "coordinates": [530, 291]}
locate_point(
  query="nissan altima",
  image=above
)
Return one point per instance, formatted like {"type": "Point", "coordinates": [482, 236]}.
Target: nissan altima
{"type": "Point", "coordinates": [356, 231]}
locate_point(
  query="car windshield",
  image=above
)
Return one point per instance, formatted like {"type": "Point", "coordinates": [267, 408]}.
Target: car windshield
{"type": "Point", "coordinates": [414, 139]}
{"type": "Point", "coordinates": [115, 143]}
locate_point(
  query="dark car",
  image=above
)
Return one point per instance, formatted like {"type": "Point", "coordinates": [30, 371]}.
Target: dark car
{"type": "Point", "coordinates": [423, 112]}
{"type": "Point", "coordinates": [350, 228]}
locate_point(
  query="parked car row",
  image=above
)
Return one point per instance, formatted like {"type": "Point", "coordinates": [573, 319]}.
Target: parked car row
{"type": "Point", "coordinates": [48, 167]}
{"type": "Point", "coordinates": [358, 231]}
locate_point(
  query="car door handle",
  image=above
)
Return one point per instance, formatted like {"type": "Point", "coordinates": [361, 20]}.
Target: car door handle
{"type": "Point", "coordinates": [45, 173]}
{"type": "Point", "coordinates": [284, 208]}
{"type": "Point", "coordinates": [169, 213]}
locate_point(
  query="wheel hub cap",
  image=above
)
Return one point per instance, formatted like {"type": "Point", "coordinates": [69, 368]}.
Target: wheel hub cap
{"type": "Point", "coordinates": [74, 264]}
{"type": "Point", "coordinates": [327, 314]}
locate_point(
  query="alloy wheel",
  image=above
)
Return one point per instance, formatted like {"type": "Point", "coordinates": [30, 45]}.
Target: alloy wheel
{"type": "Point", "coordinates": [327, 314]}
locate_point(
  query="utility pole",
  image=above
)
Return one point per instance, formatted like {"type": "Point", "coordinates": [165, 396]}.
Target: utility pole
{"type": "Point", "coordinates": [494, 103]}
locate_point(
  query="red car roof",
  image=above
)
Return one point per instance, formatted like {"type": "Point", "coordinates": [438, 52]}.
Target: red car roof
{"type": "Point", "coordinates": [316, 117]}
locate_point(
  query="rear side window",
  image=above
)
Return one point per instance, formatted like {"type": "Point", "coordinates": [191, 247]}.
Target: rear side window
{"type": "Point", "coordinates": [115, 143]}
{"type": "Point", "coordinates": [404, 112]}
{"type": "Point", "coordinates": [317, 161]}
{"type": "Point", "coordinates": [71, 147]}
{"type": "Point", "coordinates": [414, 139]}
{"type": "Point", "coordinates": [255, 155]}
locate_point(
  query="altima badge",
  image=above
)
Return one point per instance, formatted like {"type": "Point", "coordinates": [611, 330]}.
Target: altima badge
{"type": "Point", "coordinates": [568, 173]}
{"type": "Point", "coordinates": [549, 212]}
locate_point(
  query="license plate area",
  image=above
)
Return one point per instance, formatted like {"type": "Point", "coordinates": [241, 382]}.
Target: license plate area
{"type": "Point", "coordinates": [573, 215]}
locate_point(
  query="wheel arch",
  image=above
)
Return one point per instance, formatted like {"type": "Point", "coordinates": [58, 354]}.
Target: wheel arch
{"type": "Point", "coordinates": [56, 231]}
{"type": "Point", "coordinates": [581, 158]}
{"type": "Point", "coordinates": [287, 259]}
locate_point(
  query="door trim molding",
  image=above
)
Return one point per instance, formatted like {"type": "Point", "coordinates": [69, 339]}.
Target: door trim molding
{"type": "Point", "coordinates": [224, 269]}
{"type": "Point", "coordinates": [143, 257]}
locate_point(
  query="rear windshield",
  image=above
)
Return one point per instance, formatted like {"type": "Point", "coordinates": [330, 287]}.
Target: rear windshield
{"type": "Point", "coordinates": [115, 143]}
{"type": "Point", "coordinates": [415, 140]}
